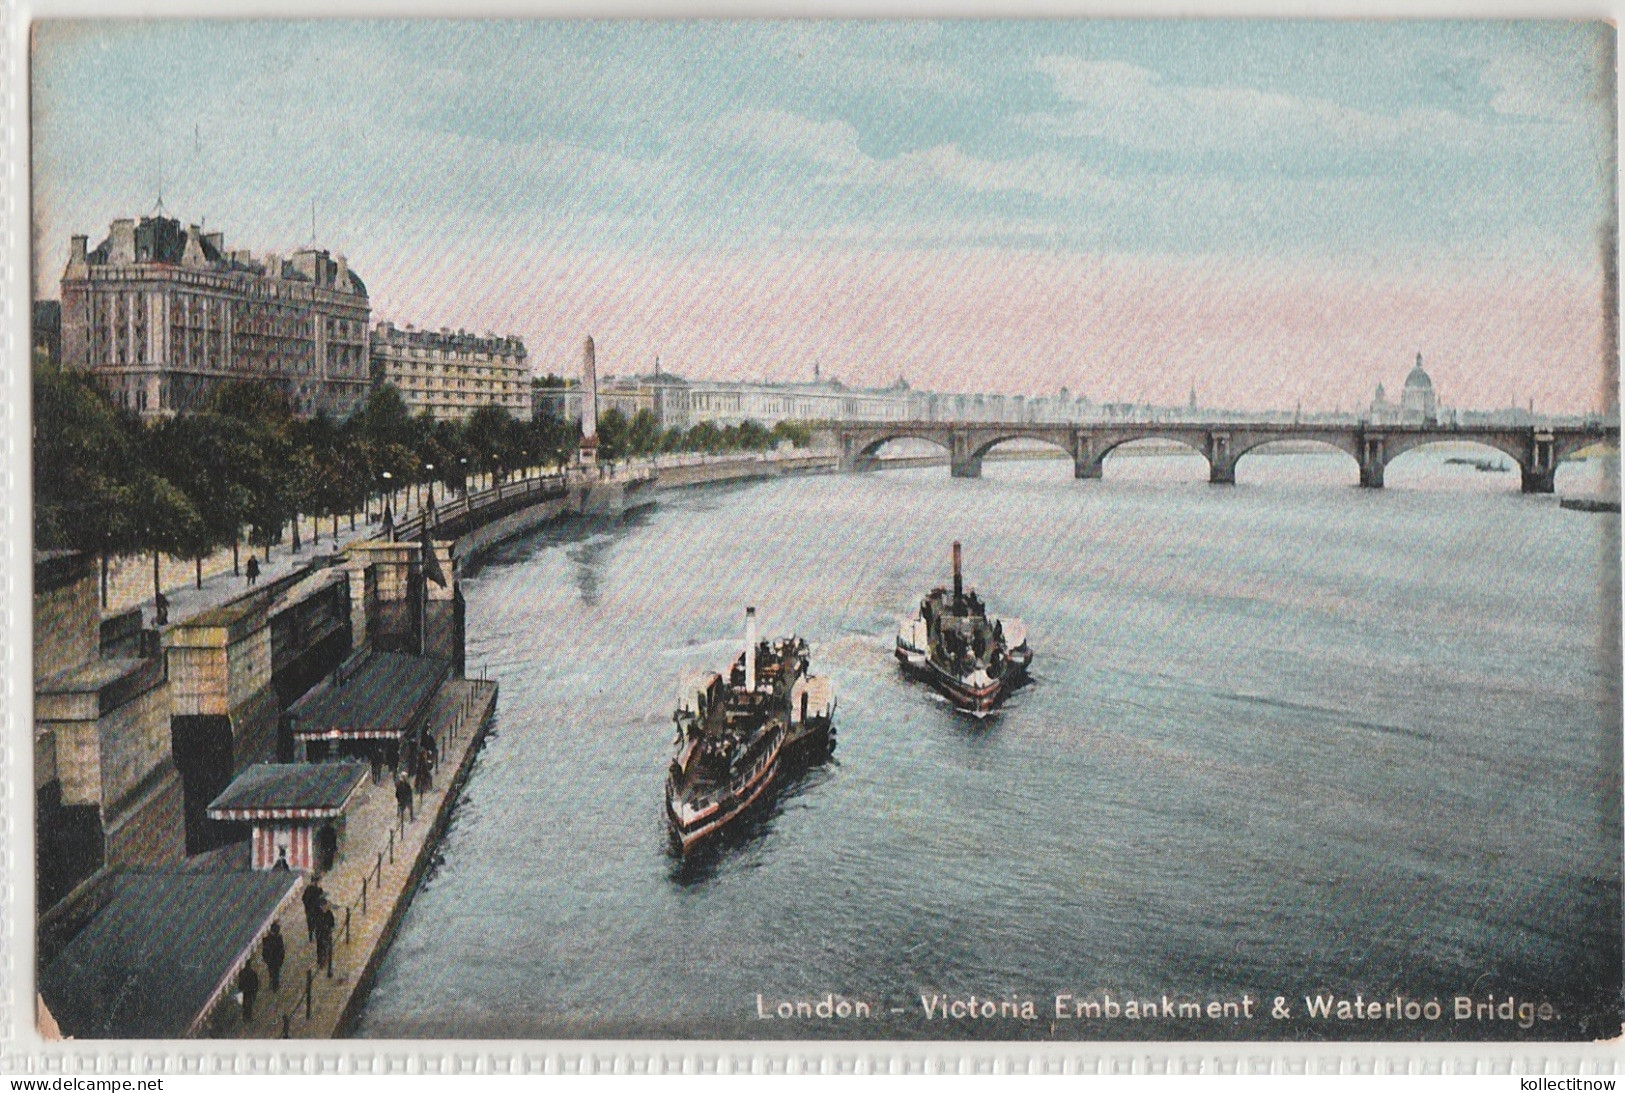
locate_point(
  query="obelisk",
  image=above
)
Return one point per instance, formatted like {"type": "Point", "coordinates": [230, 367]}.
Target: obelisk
{"type": "Point", "coordinates": [589, 405]}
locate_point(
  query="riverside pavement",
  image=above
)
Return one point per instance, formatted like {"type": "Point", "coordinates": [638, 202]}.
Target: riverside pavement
{"type": "Point", "coordinates": [369, 888]}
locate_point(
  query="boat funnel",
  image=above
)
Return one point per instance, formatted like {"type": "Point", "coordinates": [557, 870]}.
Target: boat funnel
{"type": "Point", "coordinates": [959, 581]}
{"type": "Point", "coordinates": [750, 649]}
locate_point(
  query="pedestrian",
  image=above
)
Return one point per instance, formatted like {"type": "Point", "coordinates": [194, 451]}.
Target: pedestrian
{"type": "Point", "coordinates": [403, 799]}
{"type": "Point", "coordinates": [274, 950]}
{"type": "Point", "coordinates": [432, 750]}
{"type": "Point", "coordinates": [327, 846]}
{"type": "Point", "coordinates": [425, 775]}
{"type": "Point", "coordinates": [326, 922]}
{"type": "Point", "coordinates": [313, 899]}
{"type": "Point", "coordinates": [248, 984]}
{"type": "Point", "coordinates": [253, 570]}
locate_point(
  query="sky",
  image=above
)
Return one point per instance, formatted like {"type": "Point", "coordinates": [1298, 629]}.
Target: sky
{"type": "Point", "coordinates": [1269, 213]}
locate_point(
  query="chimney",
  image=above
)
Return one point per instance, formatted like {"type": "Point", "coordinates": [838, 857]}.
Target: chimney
{"type": "Point", "coordinates": [78, 265]}
{"type": "Point", "coordinates": [959, 581]}
{"type": "Point", "coordinates": [341, 278]}
{"type": "Point", "coordinates": [193, 255]}
{"type": "Point", "coordinates": [750, 649]}
{"type": "Point", "coordinates": [121, 240]}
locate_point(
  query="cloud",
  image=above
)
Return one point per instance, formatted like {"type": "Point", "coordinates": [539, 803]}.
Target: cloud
{"type": "Point", "coordinates": [1536, 84]}
{"type": "Point", "coordinates": [780, 132]}
{"type": "Point", "coordinates": [1134, 106]}
{"type": "Point", "coordinates": [835, 145]}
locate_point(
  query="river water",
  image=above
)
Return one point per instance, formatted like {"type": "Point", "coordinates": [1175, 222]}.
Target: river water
{"type": "Point", "coordinates": [1285, 740]}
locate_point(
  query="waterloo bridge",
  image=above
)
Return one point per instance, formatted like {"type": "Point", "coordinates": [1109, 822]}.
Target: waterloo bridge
{"type": "Point", "coordinates": [1537, 450]}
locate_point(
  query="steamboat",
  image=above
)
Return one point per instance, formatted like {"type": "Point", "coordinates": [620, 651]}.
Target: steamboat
{"type": "Point", "coordinates": [739, 736]}
{"type": "Point", "coordinates": [973, 659]}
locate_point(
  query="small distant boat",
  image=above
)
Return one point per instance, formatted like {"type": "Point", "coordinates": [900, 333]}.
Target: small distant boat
{"type": "Point", "coordinates": [969, 656]}
{"type": "Point", "coordinates": [1498, 467]}
{"type": "Point", "coordinates": [736, 735]}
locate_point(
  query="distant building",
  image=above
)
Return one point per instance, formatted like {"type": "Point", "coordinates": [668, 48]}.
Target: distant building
{"type": "Point", "coordinates": [450, 374]}
{"type": "Point", "coordinates": [1418, 405]}
{"type": "Point", "coordinates": [163, 315]}
{"type": "Point", "coordinates": [1418, 402]}
{"type": "Point", "coordinates": [560, 401]}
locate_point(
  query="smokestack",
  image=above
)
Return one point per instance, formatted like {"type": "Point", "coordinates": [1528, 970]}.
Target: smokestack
{"type": "Point", "coordinates": [959, 581]}
{"type": "Point", "coordinates": [589, 391]}
{"type": "Point", "coordinates": [750, 649]}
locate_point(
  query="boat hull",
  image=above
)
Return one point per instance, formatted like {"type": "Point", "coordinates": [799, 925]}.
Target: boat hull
{"type": "Point", "coordinates": [977, 700]}
{"type": "Point", "coordinates": [686, 836]}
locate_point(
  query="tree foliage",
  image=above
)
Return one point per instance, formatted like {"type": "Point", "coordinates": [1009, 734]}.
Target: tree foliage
{"type": "Point", "coordinates": [109, 484]}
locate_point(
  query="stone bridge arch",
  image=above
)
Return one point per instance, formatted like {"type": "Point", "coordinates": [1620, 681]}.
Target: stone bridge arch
{"type": "Point", "coordinates": [980, 442]}
{"type": "Point", "coordinates": [1342, 441]}
{"type": "Point", "coordinates": [859, 447]}
{"type": "Point", "coordinates": [1102, 444]}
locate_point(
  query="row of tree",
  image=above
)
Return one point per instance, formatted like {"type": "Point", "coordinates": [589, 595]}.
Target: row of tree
{"type": "Point", "coordinates": [246, 469]}
{"type": "Point", "coordinates": [641, 435]}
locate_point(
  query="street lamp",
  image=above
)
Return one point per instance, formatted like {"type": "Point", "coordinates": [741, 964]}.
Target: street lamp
{"type": "Point", "coordinates": [429, 467]}
{"type": "Point", "coordinates": [462, 475]}
{"type": "Point", "coordinates": [388, 497]}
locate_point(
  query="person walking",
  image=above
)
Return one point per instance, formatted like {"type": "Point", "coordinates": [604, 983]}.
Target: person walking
{"type": "Point", "coordinates": [274, 950]}
{"type": "Point", "coordinates": [403, 800]}
{"type": "Point", "coordinates": [313, 899]}
{"type": "Point", "coordinates": [425, 774]}
{"type": "Point", "coordinates": [253, 570]}
{"type": "Point", "coordinates": [325, 924]}
{"type": "Point", "coordinates": [248, 983]}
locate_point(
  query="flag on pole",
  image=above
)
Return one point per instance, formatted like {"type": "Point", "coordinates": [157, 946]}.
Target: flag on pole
{"type": "Point", "coordinates": [431, 561]}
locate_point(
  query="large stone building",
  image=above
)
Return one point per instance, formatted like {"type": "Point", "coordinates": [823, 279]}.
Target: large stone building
{"type": "Point", "coordinates": [163, 315]}
{"type": "Point", "coordinates": [1418, 404]}
{"type": "Point", "coordinates": [450, 374]}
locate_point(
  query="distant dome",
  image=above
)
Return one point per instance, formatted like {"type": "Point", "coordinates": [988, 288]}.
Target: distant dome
{"type": "Point", "coordinates": [1418, 380]}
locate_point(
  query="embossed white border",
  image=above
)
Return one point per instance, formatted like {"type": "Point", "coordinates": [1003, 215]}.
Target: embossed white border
{"type": "Point", "coordinates": [23, 1051]}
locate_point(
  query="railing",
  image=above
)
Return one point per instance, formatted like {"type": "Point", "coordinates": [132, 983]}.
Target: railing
{"type": "Point", "coordinates": [349, 927]}
{"type": "Point", "coordinates": [558, 484]}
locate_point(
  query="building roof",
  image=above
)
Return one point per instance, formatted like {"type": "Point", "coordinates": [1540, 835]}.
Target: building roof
{"type": "Point", "coordinates": [288, 791]}
{"type": "Point", "coordinates": [1418, 379]}
{"type": "Point", "coordinates": [165, 946]}
{"type": "Point", "coordinates": [386, 334]}
{"type": "Point", "coordinates": [378, 700]}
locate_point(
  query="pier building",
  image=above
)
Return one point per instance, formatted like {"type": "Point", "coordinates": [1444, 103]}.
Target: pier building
{"type": "Point", "coordinates": [163, 951]}
{"type": "Point", "coordinates": [163, 314]}
{"type": "Point", "coordinates": [295, 811]}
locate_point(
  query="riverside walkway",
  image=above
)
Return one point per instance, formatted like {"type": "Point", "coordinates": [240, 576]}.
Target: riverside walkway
{"type": "Point", "coordinates": [130, 579]}
{"type": "Point", "coordinates": [369, 888]}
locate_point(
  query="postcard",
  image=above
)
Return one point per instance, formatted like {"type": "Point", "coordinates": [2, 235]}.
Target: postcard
{"type": "Point", "coordinates": [899, 531]}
